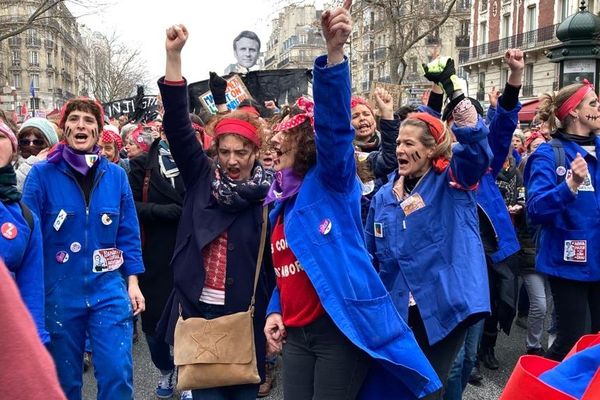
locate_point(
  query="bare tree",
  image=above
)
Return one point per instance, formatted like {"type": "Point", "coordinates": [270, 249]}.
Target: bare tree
{"type": "Point", "coordinates": [40, 12]}
{"type": "Point", "coordinates": [408, 22]}
{"type": "Point", "coordinates": [114, 69]}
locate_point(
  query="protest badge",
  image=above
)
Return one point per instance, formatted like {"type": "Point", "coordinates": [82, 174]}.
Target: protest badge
{"type": "Point", "coordinates": [105, 260]}
{"type": "Point", "coordinates": [575, 251]}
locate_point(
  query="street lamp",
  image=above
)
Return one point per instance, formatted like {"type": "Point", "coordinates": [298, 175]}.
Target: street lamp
{"type": "Point", "coordinates": [579, 51]}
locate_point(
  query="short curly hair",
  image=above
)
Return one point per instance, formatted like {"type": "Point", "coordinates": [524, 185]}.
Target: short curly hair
{"type": "Point", "coordinates": [301, 137]}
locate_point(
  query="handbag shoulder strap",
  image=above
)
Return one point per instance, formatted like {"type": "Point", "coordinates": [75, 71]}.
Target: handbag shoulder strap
{"type": "Point", "coordinates": [261, 251]}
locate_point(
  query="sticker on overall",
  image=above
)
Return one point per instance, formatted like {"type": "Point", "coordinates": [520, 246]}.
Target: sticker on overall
{"type": "Point", "coordinates": [105, 260]}
{"type": "Point", "coordinates": [575, 251]}
{"type": "Point", "coordinates": [412, 203]}
{"type": "Point", "coordinates": [378, 229]}
{"type": "Point", "coordinates": [60, 218]}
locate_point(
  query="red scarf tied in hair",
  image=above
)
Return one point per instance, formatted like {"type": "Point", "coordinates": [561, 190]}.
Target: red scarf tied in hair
{"type": "Point", "coordinates": [435, 127]}
{"type": "Point", "coordinates": [307, 106]}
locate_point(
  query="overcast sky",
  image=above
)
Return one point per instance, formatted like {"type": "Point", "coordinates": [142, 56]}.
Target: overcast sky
{"type": "Point", "coordinates": [212, 26]}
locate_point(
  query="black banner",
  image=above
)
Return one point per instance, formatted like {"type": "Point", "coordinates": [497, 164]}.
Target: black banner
{"type": "Point", "coordinates": [141, 109]}
{"type": "Point", "coordinates": [282, 85]}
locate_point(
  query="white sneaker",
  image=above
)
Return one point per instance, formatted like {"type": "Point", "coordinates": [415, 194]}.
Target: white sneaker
{"type": "Point", "coordinates": [186, 395]}
{"type": "Point", "coordinates": [164, 389]}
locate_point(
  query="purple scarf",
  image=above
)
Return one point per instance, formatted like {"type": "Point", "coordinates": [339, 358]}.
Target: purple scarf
{"type": "Point", "coordinates": [80, 162]}
{"type": "Point", "coordinates": [285, 185]}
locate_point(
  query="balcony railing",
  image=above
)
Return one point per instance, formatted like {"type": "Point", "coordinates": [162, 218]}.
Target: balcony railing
{"type": "Point", "coordinates": [462, 41]}
{"type": "Point", "coordinates": [523, 40]}
{"type": "Point", "coordinates": [528, 90]}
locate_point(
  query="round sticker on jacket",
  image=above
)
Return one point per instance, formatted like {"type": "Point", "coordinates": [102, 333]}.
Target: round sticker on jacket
{"type": "Point", "coordinates": [75, 247]}
{"type": "Point", "coordinates": [561, 171]}
{"type": "Point", "coordinates": [106, 219]}
{"type": "Point", "coordinates": [62, 257]}
{"type": "Point", "coordinates": [9, 230]}
{"type": "Point", "coordinates": [325, 226]}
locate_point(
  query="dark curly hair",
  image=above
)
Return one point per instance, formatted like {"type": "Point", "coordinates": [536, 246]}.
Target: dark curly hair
{"type": "Point", "coordinates": [301, 137]}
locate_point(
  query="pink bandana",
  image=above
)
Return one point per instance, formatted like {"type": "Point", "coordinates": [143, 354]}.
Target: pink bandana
{"type": "Point", "coordinates": [572, 102]}
{"type": "Point", "coordinates": [305, 105]}
{"type": "Point", "coordinates": [359, 100]}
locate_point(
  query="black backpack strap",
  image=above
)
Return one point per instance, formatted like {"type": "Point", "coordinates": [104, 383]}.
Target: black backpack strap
{"type": "Point", "coordinates": [559, 159]}
{"type": "Point", "coordinates": [26, 214]}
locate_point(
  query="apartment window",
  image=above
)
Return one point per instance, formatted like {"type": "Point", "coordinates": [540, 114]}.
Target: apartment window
{"type": "Point", "coordinates": [31, 34]}
{"type": "Point", "coordinates": [33, 58]}
{"type": "Point", "coordinates": [16, 57]}
{"type": "Point", "coordinates": [464, 27]}
{"type": "Point", "coordinates": [482, 37]}
{"type": "Point", "coordinates": [531, 18]}
{"type": "Point", "coordinates": [34, 103]}
{"type": "Point", "coordinates": [414, 65]}
{"type": "Point", "coordinates": [50, 63]}
{"type": "Point", "coordinates": [505, 32]}
{"type": "Point", "coordinates": [16, 80]}
{"type": "Point", "coordinates": [564, 9]}
{"type": "Point", "coordinates": [529, 74]}
{"type": "Point", "coordinates": [35, 79]}
{"type": "Point", "coordinates": [503, 77]}
{"type": "Point", "coordinates": [482, 81]}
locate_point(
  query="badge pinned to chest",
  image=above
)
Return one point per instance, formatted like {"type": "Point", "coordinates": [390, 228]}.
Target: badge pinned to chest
{"type": "Point", "coordinates": [9, 230]}
{"type": "Point", "coordinates": [575, 251]}
{"type": "Point", "coordinates": [60, 219]}
{"type": "Point", "coordinates": [106, 219]}
{"type": "Point", "coordinates": [378, 230]}
{"type": "Point", "coordinates": [412, 203]}
{"type": "Point", "coordinates": [105, 260]}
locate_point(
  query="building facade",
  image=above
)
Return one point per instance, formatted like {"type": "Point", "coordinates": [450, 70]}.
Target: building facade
{"type": "Point", "coordinates": [526, 24]}
{"type": "Point", "coordinates": [295, 39]}
{"type": "Point", "coordinates": [43, 60]}
{"type": "Point", "coordinates": [371, 38]}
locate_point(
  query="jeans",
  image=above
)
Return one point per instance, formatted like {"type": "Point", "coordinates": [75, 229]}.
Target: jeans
{"type": "Point", "coordinates": [464, 363]}
{"type": "Point", "coordinates": [237, 392]}
{"type": "Point", "coordinates": [442, 354]}
{"type": "Point", "coordinates": [571, 302]}
{"type": "Point", "coordinates": [536, 285]}
{"type": "Point", "coordinates": [160, 353]}
{"type": "Point", "coordinates": [320, 363]}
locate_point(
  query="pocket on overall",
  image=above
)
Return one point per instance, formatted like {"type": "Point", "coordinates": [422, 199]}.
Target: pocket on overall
{"type": "Point", "coordinates": [367, 316]}
{"type": "Point", "coordinates": [107, 221]}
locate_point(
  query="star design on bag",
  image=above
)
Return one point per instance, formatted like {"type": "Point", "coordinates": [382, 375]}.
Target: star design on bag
{"type": "Point", "coordinates": [207, 341]}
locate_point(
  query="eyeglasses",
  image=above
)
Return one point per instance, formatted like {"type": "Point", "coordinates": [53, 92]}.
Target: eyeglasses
{"type": "Point", "coordinates": [34, 142]}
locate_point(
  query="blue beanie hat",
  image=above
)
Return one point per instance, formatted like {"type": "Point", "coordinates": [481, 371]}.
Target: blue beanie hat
{"type": "Point", "coordinates": [44, 126]}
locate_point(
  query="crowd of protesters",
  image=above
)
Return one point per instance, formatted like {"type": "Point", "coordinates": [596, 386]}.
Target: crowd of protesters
{"type": "Point", "coordinates": [399, 242]}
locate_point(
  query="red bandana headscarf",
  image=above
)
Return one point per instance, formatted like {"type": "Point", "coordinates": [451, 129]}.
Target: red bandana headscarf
{"type": "Point", "coordinates": [436, 129]}
{"type": "Point", "coordinates": [572, 102]}
{"type": "Point", "coordinates": [307, 106]}
{"type": "Point", "coordinates": [359, 100]}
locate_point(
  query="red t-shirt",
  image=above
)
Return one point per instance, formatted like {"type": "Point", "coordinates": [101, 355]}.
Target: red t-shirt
{"type": "Point", "coordinates": [300, 304]}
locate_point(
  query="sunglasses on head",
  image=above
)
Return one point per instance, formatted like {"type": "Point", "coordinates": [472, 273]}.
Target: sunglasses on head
{"type": "Point", "coordinates": [34, 142]}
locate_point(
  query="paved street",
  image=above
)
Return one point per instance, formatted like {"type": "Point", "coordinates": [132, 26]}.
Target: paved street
{"type": "Point", "coordinates": [508, 350]}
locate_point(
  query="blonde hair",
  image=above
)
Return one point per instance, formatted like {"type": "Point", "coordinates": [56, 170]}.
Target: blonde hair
{"type": "Point", "coordinates": [550, 103]}
{"type": "Point", "coordinates": [442, 149]}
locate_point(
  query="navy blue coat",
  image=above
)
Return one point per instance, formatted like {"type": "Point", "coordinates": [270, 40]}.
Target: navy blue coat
{"type": "Point", "coordinates": [202, 221]}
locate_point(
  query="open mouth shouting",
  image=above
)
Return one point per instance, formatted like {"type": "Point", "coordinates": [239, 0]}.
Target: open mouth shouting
{"type": "Point", "coordinates": [234, 173]}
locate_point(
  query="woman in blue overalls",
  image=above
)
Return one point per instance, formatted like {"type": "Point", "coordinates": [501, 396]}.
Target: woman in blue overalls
{"type": "Point", "coordinates": [91, 255]}
{"type": "Point", "coordinates": [562, 197]}
{"type": "Point", "coordinates": [423, 231]}
{"type": "Point", "coordinates": [20, 237]}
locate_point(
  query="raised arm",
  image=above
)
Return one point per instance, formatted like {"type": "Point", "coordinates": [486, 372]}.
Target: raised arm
{"type": "Point", "coordinates": [332, 91]}
{"type": "Point", "coordinates": [193, 164]}
{"type": "Point", "coordinates": [506, 115]}
{"type": "Point", "coordinates": [383, 161]}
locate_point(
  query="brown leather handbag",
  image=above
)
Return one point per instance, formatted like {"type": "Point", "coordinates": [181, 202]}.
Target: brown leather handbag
{"type": "Point", "coordinates": [219, 352]}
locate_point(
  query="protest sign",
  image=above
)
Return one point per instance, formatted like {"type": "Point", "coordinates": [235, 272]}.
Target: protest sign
{"type": "Point", "coordinates": [236, 92]}
{"type": "Point", "coordinates": [145, 110]}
